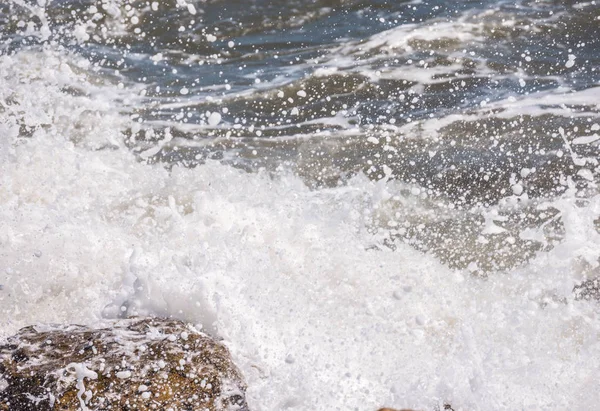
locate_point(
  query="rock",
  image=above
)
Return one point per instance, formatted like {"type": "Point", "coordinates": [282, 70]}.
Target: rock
{"type": "Point", "coordinates": [134, 364]}
{"type": "Point", "coordinates": [392, 409]}
{"type": "Point", "coordinates": [588, 290]}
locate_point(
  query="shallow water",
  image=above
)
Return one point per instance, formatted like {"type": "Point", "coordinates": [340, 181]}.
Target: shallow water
{"type": "Point", "coordinates": [372, 203]}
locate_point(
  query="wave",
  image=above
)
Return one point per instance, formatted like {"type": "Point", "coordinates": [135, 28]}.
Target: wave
{"type": "Point", "coordinates": [352, 257]}
{"type": "Point", "coordinates": [316, 309]}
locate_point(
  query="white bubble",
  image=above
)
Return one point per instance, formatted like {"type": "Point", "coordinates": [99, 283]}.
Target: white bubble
{"type": "Point", "coordinates": [571, 61]}
{"type": "Point", "coordinates": [214, 118]}
{"type": "Point", "coordinates": [517, 189]}
{"type": "Point", "coordinates": [123, 374]}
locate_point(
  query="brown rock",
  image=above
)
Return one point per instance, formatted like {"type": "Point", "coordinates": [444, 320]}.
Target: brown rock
{"type": "Point", "coordinates": [392, 409]}
{"type": "Point", "coordinates": [135, 364]}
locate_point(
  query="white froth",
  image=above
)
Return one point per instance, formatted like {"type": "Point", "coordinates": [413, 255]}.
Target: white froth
{"type": "Point", "coordinates": [315, 311]}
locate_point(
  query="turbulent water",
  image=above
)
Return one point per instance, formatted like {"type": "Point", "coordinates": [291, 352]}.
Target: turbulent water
{"type": "Point", "coordinates": [371, 202]}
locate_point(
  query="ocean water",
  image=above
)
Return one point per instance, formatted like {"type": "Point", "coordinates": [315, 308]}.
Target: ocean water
{"type": "Point", "coordinates": [372, 203]}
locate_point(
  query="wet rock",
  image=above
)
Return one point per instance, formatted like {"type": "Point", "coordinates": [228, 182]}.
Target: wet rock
{"type": "Point", "coordinates": [588, 290]}
{"type": "Point", "coordinates": [132, 364]}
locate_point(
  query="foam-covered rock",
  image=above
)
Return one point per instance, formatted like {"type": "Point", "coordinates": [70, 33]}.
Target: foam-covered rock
{"type": "Point", "coordinates": [588, 290]}
{"type": "Point", "coordinates": [131, 364]}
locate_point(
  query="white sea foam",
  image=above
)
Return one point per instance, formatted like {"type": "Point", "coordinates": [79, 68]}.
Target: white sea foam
{"type": "Point", "coordinates": [315, 315]}
{"type": "Point", "coordinates": [451, 35]}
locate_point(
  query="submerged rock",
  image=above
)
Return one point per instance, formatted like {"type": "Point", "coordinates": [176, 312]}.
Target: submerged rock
{"type": "Point", "coordinates": [133, 364]}
{"type": "Point", "coordinates": [588, 290]}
